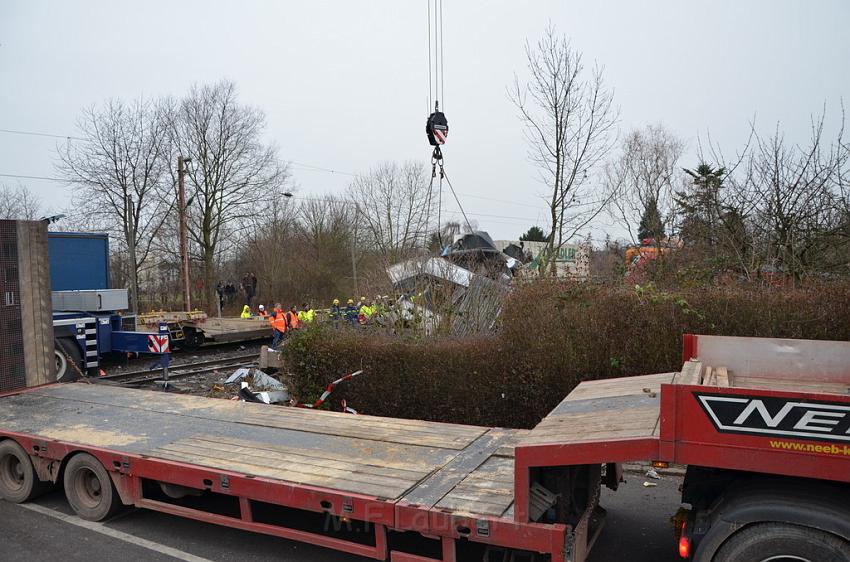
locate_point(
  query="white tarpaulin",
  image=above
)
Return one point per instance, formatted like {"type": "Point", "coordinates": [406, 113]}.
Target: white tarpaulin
{"type": "Point", "coordinates": [435, 267]}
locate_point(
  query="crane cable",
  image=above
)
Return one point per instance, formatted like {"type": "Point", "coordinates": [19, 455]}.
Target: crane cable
{"type": "Point", "coordinates": [430, 88]}
{"type": "Point", "coordinates": [437, 127]}
{"type": "Point", "coordinates": [451, 187]}
{"type": "Point", "coordinates": [442, 60]}
{"type": "Point", "coordinates": [436, 64]}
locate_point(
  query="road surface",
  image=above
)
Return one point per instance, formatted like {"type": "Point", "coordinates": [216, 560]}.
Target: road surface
{"type": "Point", "coordinates": [637, 530]}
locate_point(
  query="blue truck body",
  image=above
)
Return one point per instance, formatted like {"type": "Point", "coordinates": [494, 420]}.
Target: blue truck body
{"type": "Point", "coordinates": [80, 262]}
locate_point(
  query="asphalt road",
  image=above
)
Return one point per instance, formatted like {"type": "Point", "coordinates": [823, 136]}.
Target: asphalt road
{"type": "Point", "coordinates": [637, 530]}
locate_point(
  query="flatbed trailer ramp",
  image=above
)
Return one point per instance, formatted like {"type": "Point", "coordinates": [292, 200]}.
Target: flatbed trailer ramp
{"type": "Point", "coordinates": [736, 415]}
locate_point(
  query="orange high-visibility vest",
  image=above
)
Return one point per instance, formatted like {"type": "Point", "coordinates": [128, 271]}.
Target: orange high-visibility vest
{"type": "Point", "coordinates": [278, 321]}
{"type": "Point", "coordinates": [292, 319]}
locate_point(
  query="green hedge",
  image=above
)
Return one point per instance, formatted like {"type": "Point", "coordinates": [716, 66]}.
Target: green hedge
{"type": "Point", "coordinates": [551, 336]}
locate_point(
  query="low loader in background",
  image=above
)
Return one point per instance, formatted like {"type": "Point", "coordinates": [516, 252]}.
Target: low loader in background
{"type": "Point", "coordinates": [90, 318]}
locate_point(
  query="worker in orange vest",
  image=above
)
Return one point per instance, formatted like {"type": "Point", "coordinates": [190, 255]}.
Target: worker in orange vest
{"type": "Point", "coordinates": [279, 325]}
{"type": "Point", "coordinates": [261, 311]}
{"type": "Point", "coordinates": [292, 318]}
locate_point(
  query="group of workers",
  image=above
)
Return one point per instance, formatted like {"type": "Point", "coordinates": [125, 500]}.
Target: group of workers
{"type": "Point", "coordinates": [283, 322]}
{"type": "Point", "coordinates": [358, 312]}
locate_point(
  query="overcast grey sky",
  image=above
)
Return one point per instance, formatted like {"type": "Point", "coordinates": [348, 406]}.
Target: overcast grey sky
{"type": "Point", "coordinates": [344, 83]}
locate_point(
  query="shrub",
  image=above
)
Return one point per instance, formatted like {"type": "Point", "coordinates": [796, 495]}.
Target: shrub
{"type": "Point", "coordinates": [552, 335]}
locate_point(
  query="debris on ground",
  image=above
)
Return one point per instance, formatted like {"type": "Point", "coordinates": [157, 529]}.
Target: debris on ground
{"type": "Point", "coordinates": [649, 484]}
{"type": "Point", "coordinates": [263, 396]}
{"type": "Point", "coordinates": [257, 386]}
{"type": "Point", "coordinates": [652, 473]}
{"type": "Point", "coordinates": [259, 380]}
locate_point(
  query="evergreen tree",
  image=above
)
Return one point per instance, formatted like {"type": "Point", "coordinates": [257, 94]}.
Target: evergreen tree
{"type": "Point", "coordinates": [534, 234]}
{"type": "Point", "coordinates": [651, 225]}
{"type": "Point", "coordinates": [700, 205]}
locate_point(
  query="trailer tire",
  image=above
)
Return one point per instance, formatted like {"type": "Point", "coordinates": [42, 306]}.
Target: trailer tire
{"type": "Point", "coordinates": [18, 481]}
{"type": "Point", "coordinates": [66, 350]}
{"type": "Point", "coordinates": [193, 339]}
{"type": "Point", "coordinates": [89, 488]}
{"type": "Point", "coordinates": [782, 542]}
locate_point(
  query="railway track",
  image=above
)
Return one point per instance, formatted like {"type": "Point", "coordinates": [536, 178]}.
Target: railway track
{"type": "Point", "coordinates": [135, 378]}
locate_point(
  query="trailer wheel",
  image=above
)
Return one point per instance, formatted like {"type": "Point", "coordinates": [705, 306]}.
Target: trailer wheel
{"type": "Point", "coordinates": [89, 488]}
{"type": "Point", "coordinates": [780, 542]}
{"type": "Point", "coordinates": [66, 351]}
{"type": "Point", "coordinates": [18, 481]}
{"type": "Point", "coordinates": [192, 339]}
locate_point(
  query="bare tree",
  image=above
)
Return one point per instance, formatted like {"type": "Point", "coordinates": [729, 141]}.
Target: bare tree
{"type": "Point", "coordinates": [570, 125]}
{"type": "Point", "coordinates": [327, 233]}
{"type": "Point", "coordinates": [326, 219]}
{"type": "Point", "coordinates": [795, 192]}
{"type": "Point", "coordinates": [19, 203]}
{"type": "Point", "coordinates": [233, 173]}
{"type": "Point", "coordinates": [394, 206]}
{"type": "Point", "coordinates": [120, 175]}
{"type": "Point", "coordinates": [641, 182]}
{"type": "Point", "coordinates": [270, 248]}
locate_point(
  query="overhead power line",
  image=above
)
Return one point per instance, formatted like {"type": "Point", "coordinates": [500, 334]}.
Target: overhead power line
{"type": "Point", "coordinates": [23, 177]}
{"type": "Point", "coordinates": [313, 168]}
{"type": "Point", "coordinates": [342, 200]}
{"type": "Point", "coordinates": [37, 134]}
{"type": "Point", "coordinates": [303, 165]}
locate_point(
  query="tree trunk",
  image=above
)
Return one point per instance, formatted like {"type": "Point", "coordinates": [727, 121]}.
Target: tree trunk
{"type": "Point", "coordinates": [209, 280]}
{"type": "Point", "coordinates": [134, 279]}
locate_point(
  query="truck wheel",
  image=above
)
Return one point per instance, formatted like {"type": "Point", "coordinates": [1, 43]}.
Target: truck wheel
{"type": "Point", "coordinates": [18, 480]}
{"type": "Point", "coordinates": [65, 349]}
{"type": "Point", "coordinates": [780, 542]}
{"type": "Point", "coordinates": [89, 488]}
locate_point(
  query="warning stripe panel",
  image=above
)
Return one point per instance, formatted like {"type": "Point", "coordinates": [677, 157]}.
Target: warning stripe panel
{"type": "Point", "coordinates": [158, 343]}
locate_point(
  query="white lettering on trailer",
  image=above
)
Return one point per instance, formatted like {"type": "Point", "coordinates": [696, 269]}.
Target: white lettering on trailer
{"type": "Point", "coordinates": [751, 415]}
{"type": "Point", "coordinates": [815, 417]}
{"type": "Point", "coordinates": [758, 406]}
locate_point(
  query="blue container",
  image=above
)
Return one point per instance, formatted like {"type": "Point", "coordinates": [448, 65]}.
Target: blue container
{"type": "Point", "coordinates": [78, 261]}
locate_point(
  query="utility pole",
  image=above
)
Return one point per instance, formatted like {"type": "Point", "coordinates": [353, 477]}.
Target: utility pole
{"type": "Point", "coordinates": [353, 248]}
{"type": "Point", "coordinates": [184, 242]}
{"type": "Point", "coordinates": [131, 247]}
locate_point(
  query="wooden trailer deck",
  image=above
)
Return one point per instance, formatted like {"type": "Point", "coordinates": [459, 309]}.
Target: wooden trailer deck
{"type": "Point", "coordinates": [604, 410]}
{"type": "Point", "coordinates": [215, 330]}
{"type": "Point", "coordinates": [452, 468]}
{"type": "Point", "coordinates": [226, 330]}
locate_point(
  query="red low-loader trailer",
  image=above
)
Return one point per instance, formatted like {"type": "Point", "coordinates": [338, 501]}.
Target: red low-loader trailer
{"type": "Point", "coordinates": [763, 426]}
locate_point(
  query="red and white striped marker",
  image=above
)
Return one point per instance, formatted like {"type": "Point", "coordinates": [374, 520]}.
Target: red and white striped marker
{"type": "Point", "coordinates": [327, 392]}
{"type": "Point", "coordinates": [157, 343]}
